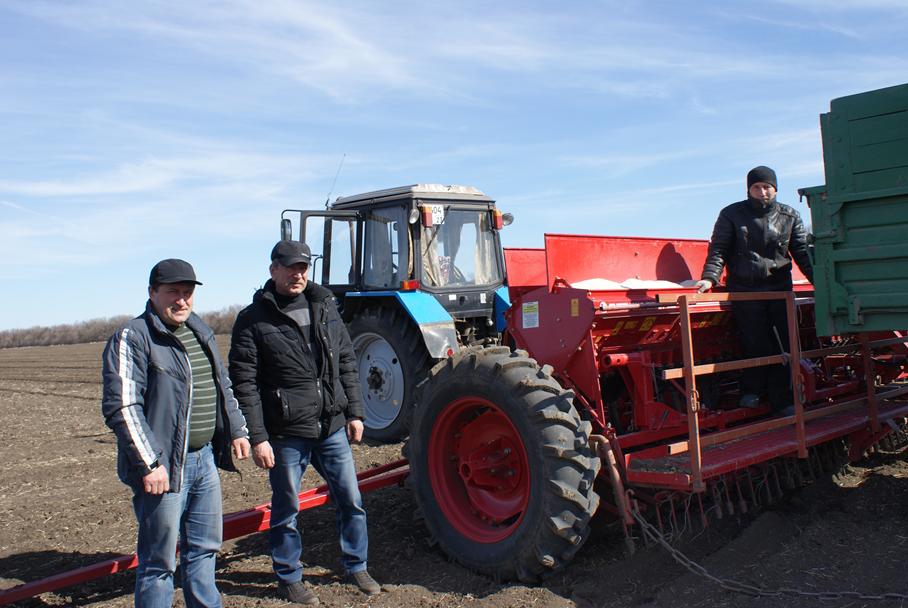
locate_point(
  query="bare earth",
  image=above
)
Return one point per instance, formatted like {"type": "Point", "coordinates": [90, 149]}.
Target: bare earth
{"type": "Point", "coordinates": [62, 507]}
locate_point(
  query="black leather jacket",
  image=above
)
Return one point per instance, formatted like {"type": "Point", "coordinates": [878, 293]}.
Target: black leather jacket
{"type": "Point", "coordinates": [281, 389]}
{"type": "Point", "coordinates": [757, 243]}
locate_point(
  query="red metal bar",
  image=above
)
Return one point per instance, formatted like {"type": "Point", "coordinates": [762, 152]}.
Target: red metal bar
{"type": "Point", "coordinates": [735, 456]}
{"type": "Point", "coordinates": [794, 358]}
{"type": "Point", "coordinates": [235, 525]}
{"type": "Point", "coordinates": [679, 447]}
{"type": "Point", "coordinates": [693, 402]}
{"type": "Point", "coordinates": [869, 382]}
{"type": "Point", "coordinates": [724, 366]}
{"type": "Point", "coordinates": [834, 350]}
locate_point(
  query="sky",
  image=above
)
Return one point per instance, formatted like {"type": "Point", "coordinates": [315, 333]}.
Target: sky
{"type": "Point", "coordinates": [142, 130]}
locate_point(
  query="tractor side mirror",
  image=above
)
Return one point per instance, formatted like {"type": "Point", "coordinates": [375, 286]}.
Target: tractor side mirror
{"type": "Point", "coordinates": [500, 220]}
{"type": "Point", "coordinates": [286, 230]}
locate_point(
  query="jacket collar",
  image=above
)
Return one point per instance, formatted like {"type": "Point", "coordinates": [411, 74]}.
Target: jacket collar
{"type": "Point", "coordinates": [315, 293]}
{"type": "Point", "coordinates": [194, 322]}
{"type": "Point", "coordinates": [757, 207]}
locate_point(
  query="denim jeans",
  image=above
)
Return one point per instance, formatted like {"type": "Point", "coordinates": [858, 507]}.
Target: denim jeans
{"type": "Point", "coordinates": [194, 516]}
{"type": "Point", "coordinates": [333, 459]}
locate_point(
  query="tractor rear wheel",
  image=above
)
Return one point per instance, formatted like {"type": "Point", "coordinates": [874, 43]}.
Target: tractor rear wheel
{"type": "Point", "coordinates": [390, 358]}
{"type": "Point", "coordinates": [501, 464]}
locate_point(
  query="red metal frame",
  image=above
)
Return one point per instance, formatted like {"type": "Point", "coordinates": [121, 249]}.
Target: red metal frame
{"type": "Point", "coordinates": [235, 525]}
{"type": "Point", "coordinates": [653, 344]}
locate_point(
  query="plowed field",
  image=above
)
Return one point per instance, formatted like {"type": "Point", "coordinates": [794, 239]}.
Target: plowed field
{"type": "Point", "coordinates": [62, 507]}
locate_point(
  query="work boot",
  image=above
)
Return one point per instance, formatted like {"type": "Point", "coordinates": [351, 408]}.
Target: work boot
{"type": "Point", "coordinates": [298, 593]}
{"type": "Point", "coordinates": [365, 582]}
{"type": "Point", "coordinates": [749, 401]}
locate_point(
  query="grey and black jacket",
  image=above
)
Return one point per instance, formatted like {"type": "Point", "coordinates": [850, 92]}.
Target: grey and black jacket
{"type": "Point", "coordinates": [757, 243]}
{"type": "Point", "coordinates": [147, 394]}
{"type": "Point", "coordinates": [282, 389]}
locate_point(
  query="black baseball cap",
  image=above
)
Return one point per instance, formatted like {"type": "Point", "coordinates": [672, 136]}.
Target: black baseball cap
{"type": "Point", "coordinates": [172, 270]}
{"type": "Point", "coordinates": [288, 253]}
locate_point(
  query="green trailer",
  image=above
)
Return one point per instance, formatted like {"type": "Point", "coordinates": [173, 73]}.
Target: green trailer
{"type": "Point", "coordinates": [860, 217]}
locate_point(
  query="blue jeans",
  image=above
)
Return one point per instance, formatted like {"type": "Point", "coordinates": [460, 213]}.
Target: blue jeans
{"type": "Point", "coordinates": [194, 516]}
{"type": "Point", "coordinates": [333, 459]}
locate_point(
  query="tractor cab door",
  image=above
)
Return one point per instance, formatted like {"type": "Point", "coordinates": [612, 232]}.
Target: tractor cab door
{"type": "Point", "coordinates": [386, 248]}
{"type": "Point", "coordinates": [335, 239]}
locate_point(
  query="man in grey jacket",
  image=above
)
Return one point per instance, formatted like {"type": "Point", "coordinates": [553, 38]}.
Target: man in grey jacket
{"type": "Point", "coordinates": [168, 398]}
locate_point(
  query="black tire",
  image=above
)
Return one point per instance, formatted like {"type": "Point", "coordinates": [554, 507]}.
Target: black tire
{"type": "Point", "coordinates": [497, 511]}
{"type": "Point", "coordinates": [391, 359]}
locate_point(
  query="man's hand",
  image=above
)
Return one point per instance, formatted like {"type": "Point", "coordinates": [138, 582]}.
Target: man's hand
{"type": "Point", "coordinates": [241, 448]}
{"type": "Point", "coordinates": [704, 285]}
{"type": "Point", "coordinates": [156, 482]}
{"type": "Point", "coordinates": [263, 455]}
{"type": "Point", "coordinates": [355, 431]}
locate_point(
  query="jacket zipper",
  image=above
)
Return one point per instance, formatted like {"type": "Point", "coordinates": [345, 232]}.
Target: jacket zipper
{"type": "Point", "coordinates": [188, 408]}
{"type": "Point", "coordinates": [188, 415]}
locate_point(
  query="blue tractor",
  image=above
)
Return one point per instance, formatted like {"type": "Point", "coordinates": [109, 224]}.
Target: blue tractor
{"type": "Point", "coordinates": [418, 272]}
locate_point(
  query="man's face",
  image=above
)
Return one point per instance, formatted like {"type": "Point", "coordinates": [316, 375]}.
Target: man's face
{"type": "Point", "coordinates": [290, 280]}
{"type": "Point", "coordinates": [762, 192]}
{"type": "Point", "coordinates": [172, 301]}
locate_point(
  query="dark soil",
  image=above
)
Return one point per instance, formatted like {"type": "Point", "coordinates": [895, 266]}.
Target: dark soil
{"type": "Point", "coordinates": [62, 507]}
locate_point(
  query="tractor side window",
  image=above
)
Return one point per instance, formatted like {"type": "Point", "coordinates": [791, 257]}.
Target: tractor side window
{"type": "Point", "coordinates": [385, 240]}
{"type": "Point", "coordinates": [332, 242]}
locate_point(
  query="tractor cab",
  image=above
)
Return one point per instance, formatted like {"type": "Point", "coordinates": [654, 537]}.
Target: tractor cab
{"type": "Point", "coordinates": [440, 240]}
{"type": "Point", "coordinates": [416, 268]}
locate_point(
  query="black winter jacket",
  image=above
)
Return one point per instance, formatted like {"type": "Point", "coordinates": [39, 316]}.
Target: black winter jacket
{"type": "Point", "coordinates": [757, 243]}
{"type": "Point", "coordinates": [147, 392]}
{"type": "Point", "coordinates": [275, 376]}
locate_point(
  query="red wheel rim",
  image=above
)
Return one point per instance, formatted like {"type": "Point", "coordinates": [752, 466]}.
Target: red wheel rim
{"type": "Point", "coordinates": [479, 470]}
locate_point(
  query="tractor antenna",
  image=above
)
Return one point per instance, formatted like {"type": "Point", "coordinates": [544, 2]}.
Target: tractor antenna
{"type": "Point", "coordinates": [331, 191]}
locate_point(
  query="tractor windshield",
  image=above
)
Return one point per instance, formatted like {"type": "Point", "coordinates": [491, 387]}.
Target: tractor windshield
{"type": "Point", "coordinates": [460, 250]}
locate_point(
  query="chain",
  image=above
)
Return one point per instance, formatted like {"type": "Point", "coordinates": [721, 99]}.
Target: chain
{"type": "Point", "coordinates": [653, 534]}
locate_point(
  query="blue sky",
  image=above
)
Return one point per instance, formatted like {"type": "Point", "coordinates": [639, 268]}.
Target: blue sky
{"type": "Point", "coordinates": [135, 131]}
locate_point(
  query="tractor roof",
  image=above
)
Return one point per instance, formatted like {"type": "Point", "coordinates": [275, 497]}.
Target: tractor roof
{"type": "Point", "coordinates": [416, 191]}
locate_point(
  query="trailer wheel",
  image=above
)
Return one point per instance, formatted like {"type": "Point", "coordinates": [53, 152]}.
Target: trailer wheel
{"type": "Point", "coordinates": [501, 465]}
{"type": "Point", "coordinates": [390, 358]}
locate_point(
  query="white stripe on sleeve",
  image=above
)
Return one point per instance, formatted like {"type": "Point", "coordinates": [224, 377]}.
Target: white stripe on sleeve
{"type": "Point", "coordinates": [128, 395]}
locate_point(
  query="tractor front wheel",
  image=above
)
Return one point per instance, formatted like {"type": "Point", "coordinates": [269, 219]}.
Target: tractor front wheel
{"type": "Point", "coordinates": [501, 465]}
{"type": "Point", "coordinates": [390, 358]}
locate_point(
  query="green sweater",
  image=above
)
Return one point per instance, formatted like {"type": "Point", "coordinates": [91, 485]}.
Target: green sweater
{"type": "Point", "coordinates": [202, 412]}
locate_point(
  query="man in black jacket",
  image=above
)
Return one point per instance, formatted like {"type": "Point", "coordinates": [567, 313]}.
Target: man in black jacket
{"type": "Point", "coordinates": [756, 240]}
{"type": "Point", "coordinates": [294, 374]}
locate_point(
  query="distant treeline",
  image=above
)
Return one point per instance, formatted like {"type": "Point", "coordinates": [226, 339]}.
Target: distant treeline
{"type": "Point", "coordinates": [98, 330]}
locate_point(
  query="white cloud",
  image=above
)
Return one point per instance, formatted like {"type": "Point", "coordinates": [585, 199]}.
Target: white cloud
{"type": "Point", "coordinates": [843, 6]}
{"type": "Point", "coordinates": [156, 174]}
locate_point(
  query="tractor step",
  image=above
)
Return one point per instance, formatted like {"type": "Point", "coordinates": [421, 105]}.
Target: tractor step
{"type": "Point", "coordinates": [656, 468]}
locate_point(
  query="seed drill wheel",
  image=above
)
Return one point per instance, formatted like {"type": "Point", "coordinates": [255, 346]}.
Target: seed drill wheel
{"type": "Point", "coordinates": [391, 358]}
{"type": "Point", "coordinates": [501, 464]}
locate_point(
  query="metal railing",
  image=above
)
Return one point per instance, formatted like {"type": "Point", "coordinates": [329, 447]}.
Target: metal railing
{"type": "Point", "coordinates": [689, 372]}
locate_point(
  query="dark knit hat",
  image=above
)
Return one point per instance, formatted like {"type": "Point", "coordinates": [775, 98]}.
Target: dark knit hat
{"type": "Point", "coordinates": [172, 271]}
{"type": "Point", "coordinates": [762, 174]}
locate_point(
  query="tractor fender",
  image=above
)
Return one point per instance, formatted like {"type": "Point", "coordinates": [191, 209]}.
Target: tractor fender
{"type": "Point", "coordinates": [502, 303]}
{"type": "Point", "coordinates": [434, 322]}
